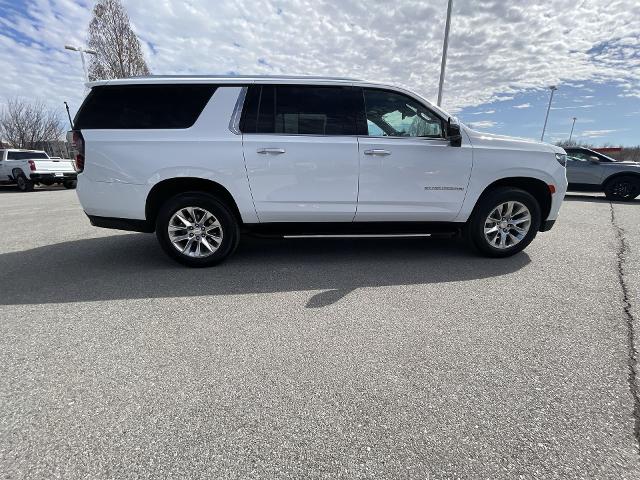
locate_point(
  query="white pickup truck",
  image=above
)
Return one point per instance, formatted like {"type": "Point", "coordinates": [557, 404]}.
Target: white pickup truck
{"type": "Point", "coordinates": [26, 168]}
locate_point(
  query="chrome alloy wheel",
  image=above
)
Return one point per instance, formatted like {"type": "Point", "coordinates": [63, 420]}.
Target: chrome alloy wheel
{"type": "Point", "coordinates": [507, 225]}
{"type": "Point", "coordinates": [195, 232]}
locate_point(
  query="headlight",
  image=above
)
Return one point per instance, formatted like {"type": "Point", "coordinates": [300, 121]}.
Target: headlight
{"type": "Point", "coordinates": [562, 159]}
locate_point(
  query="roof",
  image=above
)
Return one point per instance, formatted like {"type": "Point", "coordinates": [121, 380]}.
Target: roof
{"type": "Point", "coordinates": [233, 79]}
{"type": "Point", "coordinates": [263, 79]}
{"type": "Point", "coordinates": [20, 149]}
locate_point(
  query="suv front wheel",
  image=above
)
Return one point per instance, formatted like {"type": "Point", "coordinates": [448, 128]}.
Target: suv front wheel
{"type": "Point", "coordinates": [197, 230]}
{"type": "Point", "coordinates": [504, 222]}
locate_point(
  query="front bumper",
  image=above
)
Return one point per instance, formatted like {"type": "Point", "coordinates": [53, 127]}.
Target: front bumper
{"type": "Point", "coordinates": [53, 177]}
{"type": "Point", "coordinates": [547, 225]}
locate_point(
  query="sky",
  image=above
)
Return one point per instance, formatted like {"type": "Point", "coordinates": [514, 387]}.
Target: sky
{"type": "Point", "coordinates": [503, 54]}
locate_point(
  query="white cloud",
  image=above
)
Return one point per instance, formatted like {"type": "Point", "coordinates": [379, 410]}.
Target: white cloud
{"type": "Point", "coordinates": [596, 133]}
{"type": "Point", "coordinates": [483, 124]}
{"type": "Point", "coordinates": [572, 107]}
{"type": "Point", "coordinates": [497, 49]}
{"type": "Point", "coordinates": [486, 112]}
{"type": "Point", "coordinates": [524, 105]}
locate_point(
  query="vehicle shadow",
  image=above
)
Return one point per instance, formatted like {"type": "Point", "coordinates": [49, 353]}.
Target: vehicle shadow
{"type": "Point", "coordinates": [577, 197]}
{"type": "Point", "coordinates": [39, 188]}
{"type": "Point", "coordinates": [132, 266]}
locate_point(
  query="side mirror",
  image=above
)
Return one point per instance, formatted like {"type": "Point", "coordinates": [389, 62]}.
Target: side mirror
{"type": "Point", "coordinates": [453, 133]}
{"type": "Point", "coordinates": [594, 159]}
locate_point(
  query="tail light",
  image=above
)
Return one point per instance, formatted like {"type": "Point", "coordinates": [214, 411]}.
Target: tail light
{"type": "Point", "coordinates": [32, 165]}
{"type": "Point", "coordinates": [77, 147]}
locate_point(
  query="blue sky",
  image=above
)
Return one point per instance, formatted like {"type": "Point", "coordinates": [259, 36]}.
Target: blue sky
{"type": "Point", "coordinates": [502, 55]}
{"type": "Point", "coordinates": [602, 115]}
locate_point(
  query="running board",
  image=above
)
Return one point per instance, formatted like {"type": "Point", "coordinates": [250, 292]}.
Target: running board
{"type": "Point", "coordinates": [354, 229]}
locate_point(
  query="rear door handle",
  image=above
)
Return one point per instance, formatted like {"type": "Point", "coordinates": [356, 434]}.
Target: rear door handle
{"type": "Point", "coordinates": [378, 152]}
{"type": "Point", "coordinates": [274, 151]}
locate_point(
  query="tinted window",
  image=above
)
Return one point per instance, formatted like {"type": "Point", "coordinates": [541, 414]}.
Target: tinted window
{"type": "Point", "coordinates": [143, 106]}
{"type": "Point", "coordinates": [301, 110]}
{"type": "Point", "coordinates": [26, 155]}
{"type": "Point", "coordinates": [396, 115]}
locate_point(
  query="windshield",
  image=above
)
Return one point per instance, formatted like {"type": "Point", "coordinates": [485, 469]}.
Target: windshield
{"type": "Point", "coordinates": [27, 156]}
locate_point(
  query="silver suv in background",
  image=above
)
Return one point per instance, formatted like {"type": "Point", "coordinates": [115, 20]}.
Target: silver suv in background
{"type": "Point", "coordinates": [591, 171]}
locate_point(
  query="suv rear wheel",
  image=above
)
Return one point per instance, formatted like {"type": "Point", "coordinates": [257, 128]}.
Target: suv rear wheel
{"type": "Point", "coordinates": [197, 230]}
{"type": "Point", "coordinates": [504, 222]}
{"type": "Point", "coordinates": [624, 187]}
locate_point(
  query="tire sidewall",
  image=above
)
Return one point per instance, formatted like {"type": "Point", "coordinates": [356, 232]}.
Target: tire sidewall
{"type": "Point", "coordinates": [608, 189]}
{"type": "Point", "coordinates": [486, 204]}
{"type": "Point", "coordinates": [227, 220]}
{"type": "Point", "coordinates": [24, 184]}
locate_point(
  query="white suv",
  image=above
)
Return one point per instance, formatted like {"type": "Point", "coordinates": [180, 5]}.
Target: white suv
{"type": "Point", "coordinates": [200, 159]}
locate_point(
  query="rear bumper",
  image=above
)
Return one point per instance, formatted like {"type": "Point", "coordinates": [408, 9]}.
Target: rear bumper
{"type": "Point", "coordinates": [121, 224]}
{"type": "Point", "coordinates": [52, 177]}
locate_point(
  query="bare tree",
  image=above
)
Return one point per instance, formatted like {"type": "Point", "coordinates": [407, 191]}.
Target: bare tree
{"type": "Point", "coordinates": [119, 54]}
{"type": "Point", "coordinates": [30, 125]}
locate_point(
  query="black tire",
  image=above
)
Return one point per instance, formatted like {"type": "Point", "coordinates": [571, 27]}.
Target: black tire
{"type": "Point", "coordinates": [228, 225]}
{"type": "Point", "coordinates": [23, 183]}
{"type": "Point", "coordinates": [69, 184]}
{"type": "Point", "coordinates": [487, 204]}
{"type": "Point", "coordinates": [624, 188]}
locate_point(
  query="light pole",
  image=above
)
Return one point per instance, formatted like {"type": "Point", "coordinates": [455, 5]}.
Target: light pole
{"type": "Point", "coordinates": [553, 89]}
{"type": "Point", "coordinates": [572, 127]}
{"type": "Point", "coordinates": [445, 47]}
{"type": "Point", "coordinates": [82, 52]}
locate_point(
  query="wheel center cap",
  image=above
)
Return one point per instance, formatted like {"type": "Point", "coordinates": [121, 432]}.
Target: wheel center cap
{"type": "Point", "coordinates": [503, 224]}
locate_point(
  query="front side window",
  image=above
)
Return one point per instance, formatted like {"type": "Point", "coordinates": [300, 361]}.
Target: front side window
{"type": "Point", "coordinates": [391, 114]}
{"type": "Point", "coordinates": [301, 110]}
{"type": "Point", "coordinates": [581, 156]}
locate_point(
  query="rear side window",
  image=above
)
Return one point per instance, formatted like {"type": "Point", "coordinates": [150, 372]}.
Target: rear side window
{"type": "Point", "coordinates": [27, 156]}
{"type": "Point", "coordinates": [302, 110]}
{"type": "Point", "coordinates": [143, 106]}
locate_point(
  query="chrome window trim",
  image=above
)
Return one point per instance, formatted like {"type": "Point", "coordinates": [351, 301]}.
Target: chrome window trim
{"type": "Point", "coordinates": [427, 139]}
{"type": "Point", "coordinates": [234, 123]}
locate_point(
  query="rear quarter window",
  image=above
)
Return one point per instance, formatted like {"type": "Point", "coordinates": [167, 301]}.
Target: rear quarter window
{"type": "Point", "coordinates": [143, 106]}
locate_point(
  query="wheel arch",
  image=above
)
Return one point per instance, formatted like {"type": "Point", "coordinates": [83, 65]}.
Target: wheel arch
{"type": "Point", "coordinates": [539, 189]}
{"type": "Point", "coordinates": [613, 176]}
{"type": "Point", "coordinates": [168, 188]}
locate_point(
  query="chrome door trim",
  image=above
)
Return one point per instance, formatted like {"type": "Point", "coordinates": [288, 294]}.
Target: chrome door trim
{"type": "Point", "coordinates": [234, 123]}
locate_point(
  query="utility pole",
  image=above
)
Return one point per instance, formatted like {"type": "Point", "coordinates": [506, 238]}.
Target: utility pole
{"type": "Point", "coordinates": [66, 105]}
{"type": "Point", "coordinates": [572, 127]}
{"type": "Point", "coordinates": [553, 89]}
{"type": "Point", "coordinates": [82, 52]}
{"type": "Point", "coordinates": [445, 47]}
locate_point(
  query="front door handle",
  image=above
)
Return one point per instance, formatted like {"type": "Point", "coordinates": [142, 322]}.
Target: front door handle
{"type": "Point", "coordinates": [377, 152]}
{"type": "Point", "coordinates": [274, 151]}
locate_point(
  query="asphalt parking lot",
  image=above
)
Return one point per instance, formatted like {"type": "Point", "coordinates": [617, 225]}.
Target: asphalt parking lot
{"type": "Point", "coordinates": [343, 358]}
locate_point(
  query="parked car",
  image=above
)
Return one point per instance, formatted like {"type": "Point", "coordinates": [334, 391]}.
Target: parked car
{"type": "Point", "coordinates": [199, 160]}
{"type": "Point", "coordinates": [26, 168]}
{"type": "Point", "coordinates": [591, 171]}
